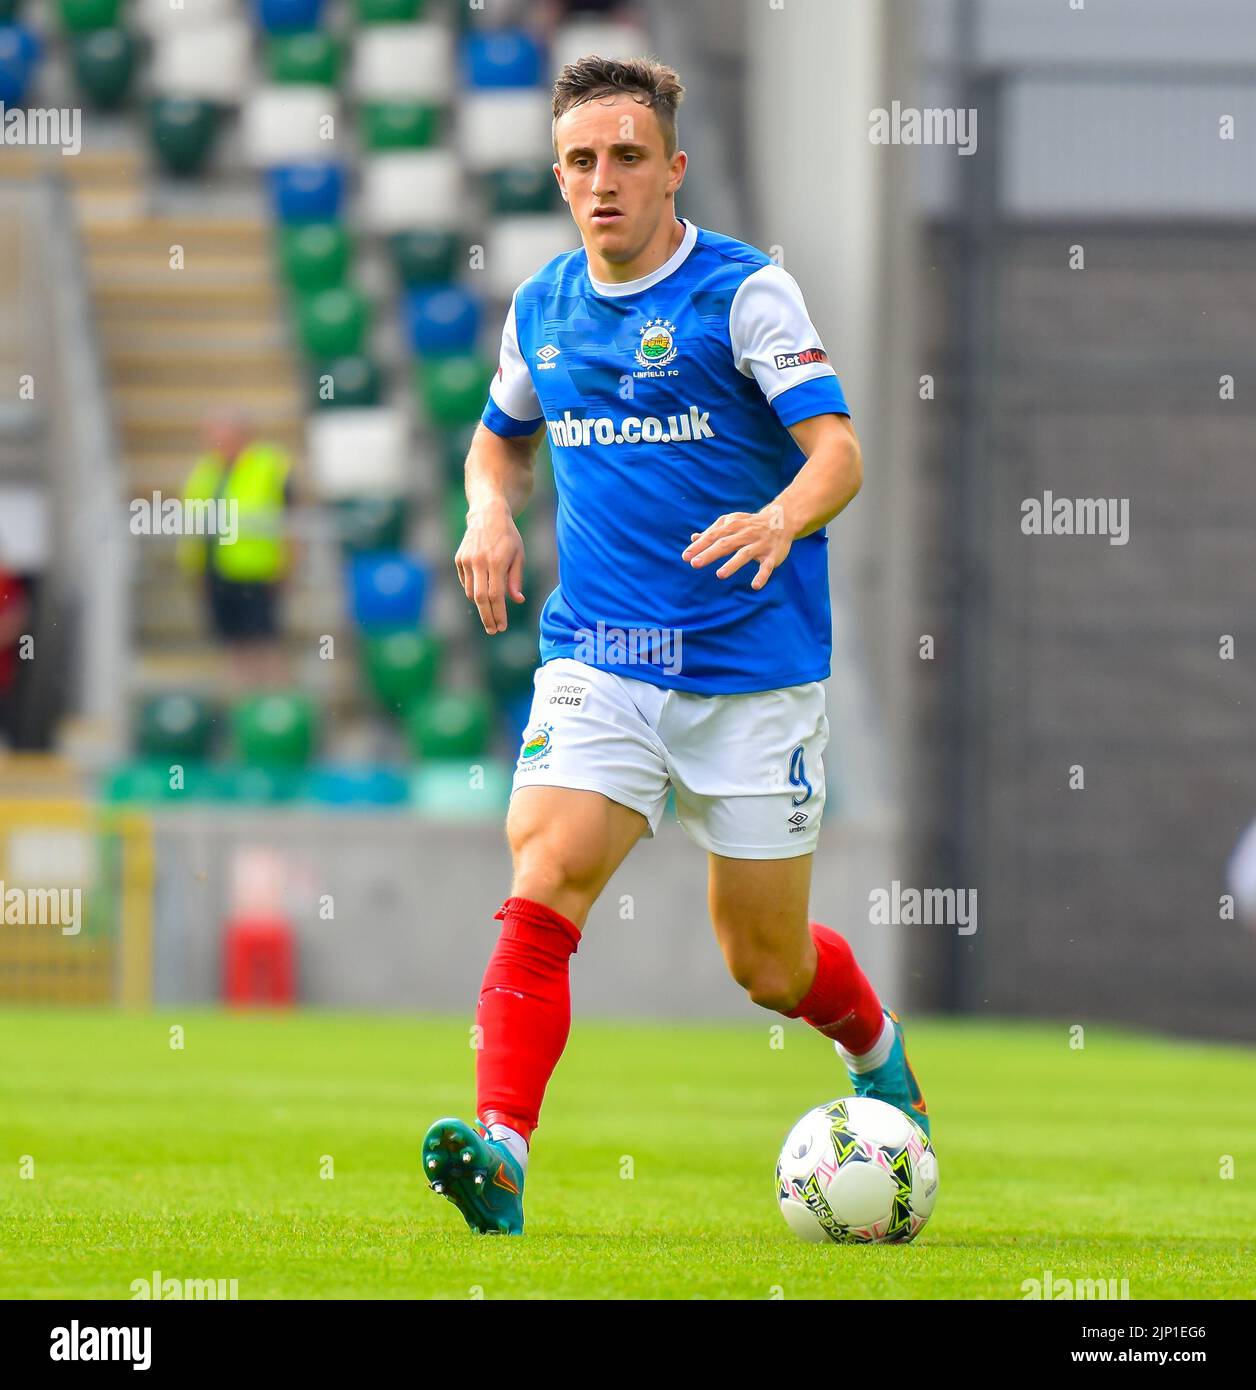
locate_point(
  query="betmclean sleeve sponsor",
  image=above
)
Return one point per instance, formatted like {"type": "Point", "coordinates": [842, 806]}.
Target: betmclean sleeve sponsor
{"type": "Point", "coordinates": [774, 341]}
{"type": "Point", "coordinates": [513, 407]}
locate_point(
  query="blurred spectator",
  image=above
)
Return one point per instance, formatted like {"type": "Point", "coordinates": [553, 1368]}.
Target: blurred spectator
{"type": "Point", "coordinates": [14, 612]}
{"type": "Point", "coordinates": [1241, 874]}
{"type": "Point", "coordinates": [243, 569]}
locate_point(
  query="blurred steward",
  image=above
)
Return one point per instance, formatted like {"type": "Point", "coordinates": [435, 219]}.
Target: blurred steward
{"type": "Point", "coordinates": [14, 614]}
{"type": "Point", "coordinates": [243, 573]}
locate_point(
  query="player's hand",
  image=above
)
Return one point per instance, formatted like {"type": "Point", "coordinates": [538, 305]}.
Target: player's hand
{"type": "Point", "coordinates": [490, 564]}
{"type": "Point", "coordinates": [745, 536]}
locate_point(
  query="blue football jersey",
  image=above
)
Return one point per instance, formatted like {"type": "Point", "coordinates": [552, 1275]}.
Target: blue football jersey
{"type": "Point", "coordinates": [666, 401]}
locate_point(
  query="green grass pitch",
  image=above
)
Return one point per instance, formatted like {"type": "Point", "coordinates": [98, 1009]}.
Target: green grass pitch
{"type": "Point", "coordinates": [652, 1173]}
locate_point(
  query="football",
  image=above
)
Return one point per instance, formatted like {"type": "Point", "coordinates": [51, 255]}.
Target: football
{"type": "Point", "coordinates": [857, 1171]}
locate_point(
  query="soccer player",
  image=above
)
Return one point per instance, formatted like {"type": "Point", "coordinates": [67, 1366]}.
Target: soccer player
{"type": "Point", "coordinates": [700, 444]}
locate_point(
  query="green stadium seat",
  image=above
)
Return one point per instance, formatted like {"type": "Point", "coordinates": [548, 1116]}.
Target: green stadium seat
{"type": "Point", "coordinates": [450, 724]}
{"type": "Point", "coordinates": [311, 58]}
{"type": "Point", "coordinates": [400, 125]}
{"type": "Point", "coordinates": [175, 725]}
{"type": "Point", "coordinates": [9, 11]}
{"type": "Point", "coordinates": [82, 16]}
{"type": "Point", "coordinates": [425, 257]}
{"type": "Point", "coordinates": [345, 383]}
{"type": "Point", "coordinates": [314, 255]}
{"type": "Point", "coordinates": [182, 132]}
{"type": "Point", "coordinates": [454, 447]}
{"type": "Point", "coordinates": [104, 66]}
{"type": "Point", "coordinates": [528, 188]}
{"type": "Point", "coordinates": [275, 729]}
{"type": "Point", "coordinates": [333, 323]}
{"type": "Point", "coordinates": [367, 524]}
{"type": "Point", "coordinates": [511, 657]}
{"type": "Point", "coordinates": [141, 781]}
{"type": "Point", "coordinates": [453, 389]}
{"type": "Point", "coordinates": [401, 666]}
{"type": "Point", "coordinates": [389, 11]}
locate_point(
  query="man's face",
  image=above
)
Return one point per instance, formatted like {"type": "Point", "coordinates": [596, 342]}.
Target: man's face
{"type": "Point", "coordinates": [614, 171]}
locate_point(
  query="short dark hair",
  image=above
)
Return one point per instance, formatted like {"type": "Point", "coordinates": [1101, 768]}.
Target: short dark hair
{"type": "Point", "coordinates": [646, 80]}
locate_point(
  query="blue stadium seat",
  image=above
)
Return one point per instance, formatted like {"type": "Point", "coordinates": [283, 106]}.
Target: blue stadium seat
{"type": "Point", "coordinates": [441, 319]}
{"type": "Point", "coordinates": [19, 56]}
{"type": "Point", "coordinates": [289, 16]}
{"type": "Point", "coordinates": [307, 192]}
{"type": "Point", "coordinates": [503, 58]}
{"type": "Point", "coordinates": [387, 591]}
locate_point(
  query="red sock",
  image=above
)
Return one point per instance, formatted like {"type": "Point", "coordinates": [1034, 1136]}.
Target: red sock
{"type": "Point", "coordinates": [841, 1003]}
{"type": "Point", "coordinates": [524, 1013]}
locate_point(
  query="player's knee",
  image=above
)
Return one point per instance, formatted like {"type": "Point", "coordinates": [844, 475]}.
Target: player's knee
{"type": "Point", "coordinates": [767, 983]}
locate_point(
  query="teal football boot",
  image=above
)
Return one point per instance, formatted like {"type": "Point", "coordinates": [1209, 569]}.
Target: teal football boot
{"type": "Point", "coordinates": [894, 1081]}
{"type": "Point", "coordinates": [479, 1175]}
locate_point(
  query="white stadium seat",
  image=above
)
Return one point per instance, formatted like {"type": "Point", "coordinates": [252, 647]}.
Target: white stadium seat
{"type": "Point", "coordinates": [582, 37]}
{"type": "Point", "coordinates": [497, 129]}
{"type": "Point", "coordinates": [354, 453]}
{"type": "Point", "coordinates": [518, 246]}
{"type": "Point", "coordinates": [156, 17]}
{"type": "Point", "coordinates": [403, 62]}
{"type": "Point", "coordinates": [408, 189]}
{"type": "Point", "coordinates": [212, 61]}
{"type": "Point", "coordinates": [284, 123]}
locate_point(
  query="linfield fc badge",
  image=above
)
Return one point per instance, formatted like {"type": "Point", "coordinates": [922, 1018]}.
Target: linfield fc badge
{"type": "Point", "coordinates": [536, 744]}
{"type": "Point", "coordinates": [658, 343]}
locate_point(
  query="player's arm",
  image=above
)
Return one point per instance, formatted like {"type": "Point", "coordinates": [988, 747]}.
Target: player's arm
{"type": "Point", "coordinates": [498, 477]}
{"type": "Point", "coordinates": [774, 341]}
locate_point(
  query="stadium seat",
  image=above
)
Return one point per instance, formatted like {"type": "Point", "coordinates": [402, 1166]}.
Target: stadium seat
{"type": "Point", "coordinates": [19, 57]}
{"type": "Point", "coordinates": [579, 37]}
{"type": "Point", "coordinates": [175, 726]}
{"type": "Point", "coordinates": [155, 17]}
{"type": "Point", "coordinates": [454, 446]}
{"type": "Point", "coordinates": [441, 319]}
{"type": "Point", "coordinates": [522, 188]}
{"type": "Point", "coordinates": [345, 383]}
{"type": "Point", "coordinates": [308, 59]}
{"type": "Point", "coordinates": [510, 658]}
{"type": "Point", "coordinates": [283, 124]}
{"type": "Point", "coordinates": [275, 729]}
{"type": "Point", "coordinates": [333, 323]}
{"type": "Point", "coordinates": [453, 388]}
{"type": "Point", "coordinates": [401, 666]}
{"type": "Point", "coordinates": [405, 190]}
{"type": "Point", "coordinates": [366, 524]}
{"type": "Point", "coordinates": [82, 16]}
{"type": "Point", "coordinates": [182, 132]}
{"type": "Point", "coordinates": [213, 62]}
{"type": "Point", "coordinates": [104, 66]}
{"type": "Point", "coordinates": [307, 192]}
{"type": "Point", "coordinates": [359, 452]}
{"type": "Point", "coordinates": [502, 58]}
{"type": "Point", "coordinates": [500, 129]}
{"type": "Point", "coordinates": [358, 785]}
{"type": "Point", "coordinates": [253, 785]}
{"type": "Point", "coordinates": [289, 16]}
{"type": "Point", "coordinates": [424, 257]}
{"type": "Point", "coordinates": [314, 255]}
{"type": "Point", "coordinates": [386, 590]}
{"type": "Point", "coordinates": [450, 724]}
{"type": "Point", "coordinates": [403, 62]}
{"type": "Point", "coordinates": [400, 125]}
{"type": "Point", "coordinates": [389, 11]}
{"type": "Point", "coordinates": [451, 790]}
{"type": "Point", "coordinates": [9, 10]}
{"type": "Point", "coordinates": [515, 246]}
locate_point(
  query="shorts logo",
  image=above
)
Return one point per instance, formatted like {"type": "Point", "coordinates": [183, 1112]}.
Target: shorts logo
{"type": "Point", "coordinates": [797, 821]}
{"type": "Point", "coordinates": [800, 359]}
{"type": "Point", "coordinates": [798, 776]}
{"type": "Point", "coordinates": [536, 744]}
{"type": "Point", "coordinates": [567, 694]}
{"type": "Point", "coordinates": [658, 343]}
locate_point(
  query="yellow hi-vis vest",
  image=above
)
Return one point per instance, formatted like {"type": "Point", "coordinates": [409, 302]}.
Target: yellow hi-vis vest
{"type": "Point", "coordinates": [255, 485]}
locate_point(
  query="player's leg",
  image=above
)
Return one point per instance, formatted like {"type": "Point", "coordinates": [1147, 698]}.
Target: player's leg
{"type": "Point", "coordinates": [590, 781]}
{"type": "Point", "coordinates": [803, 969]}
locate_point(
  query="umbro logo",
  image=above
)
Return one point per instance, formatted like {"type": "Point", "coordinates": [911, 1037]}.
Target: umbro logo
{"type": "Point", "coordinates": [797, 820]}
{"type": "Point", "coordinates": [545, 355]}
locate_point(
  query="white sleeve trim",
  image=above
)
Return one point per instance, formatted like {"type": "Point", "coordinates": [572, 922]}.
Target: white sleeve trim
{"type": "Point", "coordinates": [768, 325]}
{"type": "Point", "coordinates": [511, 389]}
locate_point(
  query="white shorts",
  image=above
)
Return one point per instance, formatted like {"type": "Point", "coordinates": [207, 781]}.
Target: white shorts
{"type": "Point", "coordinates": [747, 769]}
